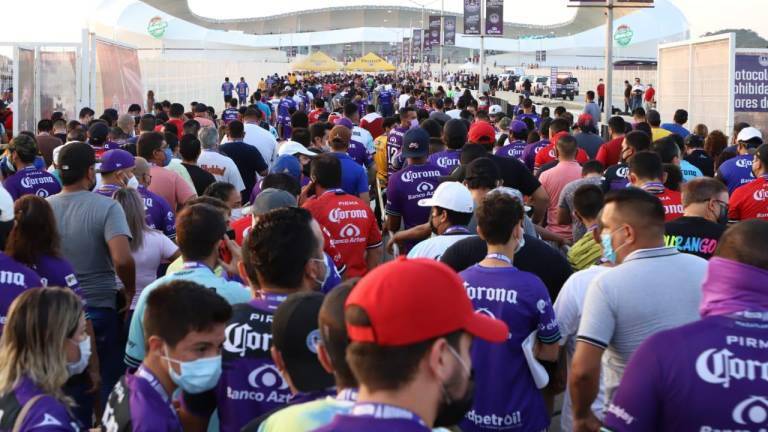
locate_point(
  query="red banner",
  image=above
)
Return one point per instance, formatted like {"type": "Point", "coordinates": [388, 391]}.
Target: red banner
{"type": "Point", "coordinates": [120, 73]}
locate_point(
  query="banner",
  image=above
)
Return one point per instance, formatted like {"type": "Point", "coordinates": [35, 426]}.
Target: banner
{"type": "Point", "coordinates": [494, 17]}
{"type": "Point", "coordinates": [58, 83]}
{"type": "Point", "coordinates": [472, 17]}
{"type": "Point", "coordinates": [750, 94]}
{"type": "Point", "coordinates": [426, 47]}
{"type": "Point", "coordinates": [25, 93]}
{"type": "Point", "coordinates": [434, 30]}
{"type": "Point", "coordinates": [406, 50]}
{"type": "Point", "coordinates": [120, 74]}
{"type": "Point", "coordinates": [450, 31]}
{"type": "Point", "coordinates": [416, 45]}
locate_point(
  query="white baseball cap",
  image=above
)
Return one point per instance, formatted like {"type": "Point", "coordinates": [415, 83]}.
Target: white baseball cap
{"type": "Point", "coordinates": [451, 196]}
{"type": "Point", "coordinates": [292, 147]}
{"type": "Point", "coordinates": [749, 133]}
{"type": "Point", "coordinates": [494, 109]}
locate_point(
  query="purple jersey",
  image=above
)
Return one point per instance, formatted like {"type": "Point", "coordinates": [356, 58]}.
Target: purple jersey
{"type": "Point", "coordinates": [46, 415]}
{"type": "Point", "coordinates": [284, 109]}
{"type": "Point", "coordinates": [533, 116]}
{"type": "Point", "coordinates": [616, 177]}
{"type": "Point", "coordinates": [510, 399]}
{"type": "Point", "coordinates": [31, 180]}
{"type": "Point", "coordinates": [250, 383]}
{"type": "Point", "coordinates": [140, 403]}
{"type": "Point", "coordinates": [227, 88]}
{"type": "Point", "coordinates": [385, 98]}
{"type": "Point", "coordinates": [374, 417]}
{"type": "Point", "coordinates": [736, 172]}
{"type": "Point", "coordinates": [446, 160]}
{"type": "Point", "coordinates": [159, 214]}
{"type": "Point", "coordinates": [710, 375]}
{"type": "Point", "coordinates": [394, 145]}
{"type": "Point", "coordinates": [14, 279]}
{"type": "Point", "coordinates": [531, 150]}
{"type": "Point", "coordinates": [242, 89]}
{"type": "Point", "coordinates": [230, 114]}
{"type": "Point", "coordinates": [361, 104]}
{"type": "Point", "coordinates": [409, 185]}
{"type": "Point", "coordinates": [512, 150]}
{"type": "Point", "coordinates": [55, 271]}
{"type": "Point", "coordinates": [357, 149]}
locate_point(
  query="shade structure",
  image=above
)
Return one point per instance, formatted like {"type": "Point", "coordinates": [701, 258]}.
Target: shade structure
{"type": "Point", "coordinates": [316, 62]}
{"type": "Point", "coordinates": [370, 63]}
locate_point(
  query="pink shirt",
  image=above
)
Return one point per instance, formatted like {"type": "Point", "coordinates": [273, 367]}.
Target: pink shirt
{"type": "Point", "coordinates": [204, 122]}
{"type": "Point", "coordinates": [170, 186]}
{"type": "Point", "coordinates": [156, 249]}
{"type": "Point", "coordinates": [554, 180]}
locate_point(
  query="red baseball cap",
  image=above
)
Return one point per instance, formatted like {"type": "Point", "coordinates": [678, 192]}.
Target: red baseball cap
{"type": "Point", "coordinates": [413, 300]}
{"type": "Point", "coordinates": [481, 132]}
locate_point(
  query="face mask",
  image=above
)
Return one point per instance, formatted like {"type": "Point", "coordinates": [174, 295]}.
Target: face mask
{"type": "Point", "coordinates": [236, 214]}
{"type": "Point", "coordinates": [452, 410]}
{"type": "Point", "coordinates": [168, 156]}
{"type": "Point", "coordinates": [132, 183]}
{"type": "Point", "coordinates": [196, 376]}
{"type": "Point", "coordinates": [414, 123]}
{"type": "Point", "coordinates": [326, 271]}
{"type": "Point", "coordinates": [520, 243]}
{"type": "Point", "coordinates": [79, 366]}
{"type": "Point", "coordinates": [305, 169]}
{"type": "Point", "coordinates": [609, 254]}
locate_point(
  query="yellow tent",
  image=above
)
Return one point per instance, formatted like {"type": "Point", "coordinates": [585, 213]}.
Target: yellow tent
{"type": "Point", "coordinates": [316, 62]}
{"type": "Point", "coordinates": [370, 63]}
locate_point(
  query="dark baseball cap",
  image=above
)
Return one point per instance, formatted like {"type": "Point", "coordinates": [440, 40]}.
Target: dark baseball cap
{"type": "Point", "coordinates": [200, 108]}
{"type": "Point", "coordinates": [76, 156]}
{"type": "Point", "coordinates": [270, 199]}
{"type": "Point", "coordinates": [97, 133]}
{"type": "Point", "coordinates": [416, 143]}
{"type": "Point", "coordinates": [296, 335]}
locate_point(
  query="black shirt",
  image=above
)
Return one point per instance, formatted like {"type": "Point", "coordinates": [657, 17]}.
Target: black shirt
{"type": "Point", "coordinates": [694, 235]}
{"type": "Point", "coordinates": [535, 257]}
{"type": "Point", "coordinates": [249, 162]}
{"type": "Point", "coordinates": [200, 178]}
{"type": "Point", "coordinates": [616, 177]}
{"type": "Point", "coordinates": [514, 174]}
{"type": "Point", "coordinates": [701, 160]}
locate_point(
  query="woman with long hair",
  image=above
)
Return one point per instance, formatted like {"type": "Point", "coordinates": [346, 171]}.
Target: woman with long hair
{"type": "Point", "coordinates": [44, 342]}
{"type": "Point", "coordinates": [34, 241]}
{"type": "Point", "coordinates": [149, 247]}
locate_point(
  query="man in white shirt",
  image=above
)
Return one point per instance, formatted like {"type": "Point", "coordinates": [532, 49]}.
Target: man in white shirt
{"type": "Point", "coordinates": [258, 137]}
{"type": "Point", "coordinates": [222, 167]}
{"type": "Point", "coordinates": [452, 209]}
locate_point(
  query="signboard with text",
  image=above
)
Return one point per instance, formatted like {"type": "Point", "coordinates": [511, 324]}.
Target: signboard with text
{"type": "Point", "coordinates": [433, 38]}
{"type": "Point", "coordinates": [449, 23]}
{"type": "Point", "coordinates": [750, 88]}
{"type": "Point", "coordinates": [472, 17]}
{"type": "Point", "coordinates": [494, 17]}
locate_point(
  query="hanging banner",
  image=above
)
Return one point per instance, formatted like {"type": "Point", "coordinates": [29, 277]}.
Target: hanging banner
{"type": "Point", "coordinates": [58, 83]}
{"type": "Point", "coordinates": [120, 74]}
{"type": "Point", "coordinates": [406, 50]}
{"type": "Point", "coordinates": [416, 45]}
{"type": "Point", "coordinates": [25, 91]}
{"type": "Point", "coordinates": [449, 23]}
{"type": "Point", "coordinates": [434, 30]}
{"type": "Point", "coordinates": [472, 17]}
{"type": "Point", "coordinates": [427, 47]}
{"type": "Point", "coordinates": [494, 17]}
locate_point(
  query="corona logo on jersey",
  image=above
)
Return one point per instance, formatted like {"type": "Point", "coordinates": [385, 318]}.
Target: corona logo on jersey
{"type": "Point", "coordinates": [337, 215]}
{"type": "Point", "coordinates": [349, 231]}
{"type": "Point", "coordinates": [760, 195]}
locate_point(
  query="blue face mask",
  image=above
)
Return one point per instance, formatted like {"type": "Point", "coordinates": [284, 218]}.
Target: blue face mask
{"type": "Point", "coordinates": [609, 253]}
{"type": "Point", "coordinates": [196, 376]}
{"type": "Point", "coordinates": [168, 156]}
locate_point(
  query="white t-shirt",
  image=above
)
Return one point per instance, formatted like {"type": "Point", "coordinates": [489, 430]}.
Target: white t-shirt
{"type": "Point", "coordinates": [260, 138]}
{"type": "Point", "coordinates": [222, 167]}
{"type": "Point", "coordinates": [436, 246]}
{"type": "Point", "coordinates": [454, 113]}
{"type": "Point", "coordinates": [568, 308]}
{"type": "Point", "coordinates": [403, 99]}
{"type": "Point", "coordinates": [155, 249]}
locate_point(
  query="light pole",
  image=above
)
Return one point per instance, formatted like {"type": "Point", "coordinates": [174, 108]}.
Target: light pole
{"type": "Point", "coordinates": [608, 104]}
{"type": "Point", "coordinates": [480, 81]}
{"type": "Point", "coordinates": [442, 36]}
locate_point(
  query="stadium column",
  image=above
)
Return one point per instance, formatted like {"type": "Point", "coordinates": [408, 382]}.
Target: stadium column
{"type": "Point", "coordinates": [608, 106]}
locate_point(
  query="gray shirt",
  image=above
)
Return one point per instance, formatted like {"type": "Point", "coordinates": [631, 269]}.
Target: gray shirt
{"type": "Point", "coordinates": [566, 202]}
{"type": "Point", "coordinates": [86, 222]}
{"type": "Point", "coordinates": [589, 142]}
{"type": "Point", "coordinates": [651, 290]}
{"type": "Point", "coordinates": [593, 109]}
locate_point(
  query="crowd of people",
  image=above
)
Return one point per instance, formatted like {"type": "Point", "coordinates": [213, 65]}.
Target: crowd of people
{"type": "Point", "coordinates": [349, 252]}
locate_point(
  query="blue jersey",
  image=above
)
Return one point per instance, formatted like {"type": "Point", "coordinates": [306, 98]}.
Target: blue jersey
{"type": "Point", "coordinates": [227, 88]}
{"type": "Point", "coordinates": [242, 89]}
{"type": "Point", "coordinates": [284, 109]}
{"type": "Point", "coordinates": [736, 172]}
{"type": "Point", "coordinates": [385, 98]}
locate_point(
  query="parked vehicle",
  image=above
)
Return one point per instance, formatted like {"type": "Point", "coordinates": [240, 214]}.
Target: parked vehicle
{"type": "Point", "coordinates": [539, 85]}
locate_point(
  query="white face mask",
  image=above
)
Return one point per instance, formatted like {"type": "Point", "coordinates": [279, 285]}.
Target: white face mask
{"type": "Point", "coordinates": [236, 214]}
{"type": "Point", "coordinates": [132, 183]}
{"type": "Point", "coordinates": [84, 346]}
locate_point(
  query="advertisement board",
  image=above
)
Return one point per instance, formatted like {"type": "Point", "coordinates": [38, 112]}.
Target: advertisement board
{"type": "Point", "coordinates": [58, 83]}
{"type": "Point", "coordinates": [750, 89]}
{"type": "Point", "coordinates": [472, 17]}
{"type": "Point", "coordinates": [449, 23]}
{"type": "Point", "coordinates": [24, 97]}
{"type": "Point", "coordinates": [120, 76]}
{"type": "Point", "coordinates": [494, 17]}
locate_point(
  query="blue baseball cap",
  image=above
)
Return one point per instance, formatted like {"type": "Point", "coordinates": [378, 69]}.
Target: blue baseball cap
{"type": "Point", "coordinates": [288, 164]}
{"type": "Point", "coordinates": [416, 143]}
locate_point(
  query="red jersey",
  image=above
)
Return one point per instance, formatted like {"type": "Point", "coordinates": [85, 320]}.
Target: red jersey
{"type": "Point", "coordinates": [179, 123]}
{"type": "Point", "coordinates": [549, 154]}
{"type": "Point", "coordinates": [351, 224]}
{"type": "Point", "coordinates": [242, 226]}
{"type": "Point", "coordinates": [314, 115]}
{"type": "Point", "coordinates": [750, 201]}
{"type": "Point", "coordinates": [610, 152]}
{"type": "Point", "coordinates": [650, 92]}
{"type": "Point", "coordinates": [601, 89]}
{"type": "Point", "coordinates": [672, 202]}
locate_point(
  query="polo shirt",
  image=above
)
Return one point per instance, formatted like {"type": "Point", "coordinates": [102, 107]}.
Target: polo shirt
{"type": "Point", "coordinates": [750, 201]}
{"type": "Point", "coordinates": [139, 402]}
{"type": "Point", "coordinates": [651, 290]}
{"type": "Point", "coordinates": [47, 414]}
{"type": "Point", "coordinates": [521, 300]}
{"type": "Point", "coordinates": [233, 292]}
{"type": "Point", "coordinates": [554, 181]}
{"type": "Point", "coordinates": [15, 278]}
{"type": "Point", "coordinates": [705, 376]}
{"type": "Point", "coordinates": [736, 172]}
{"type": "Point", "coordinates": [170, 186]}
{"type": "Point", "coordinates": [693, 235]}
{"type": "Point", "coordinates": [31, 180]}
{"type": "Point", "coordinates": [406, 187]}
{"type": "Point", "coordinates": [354, 178]}
{"type": "Point", "coordinates": [351, 225]}
{"type": "Point", "coordinates": [585, 252]}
